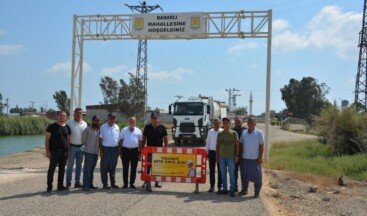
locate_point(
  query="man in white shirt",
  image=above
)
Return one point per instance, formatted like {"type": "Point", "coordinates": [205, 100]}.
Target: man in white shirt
{"type": "Point", "coordinates": [76, 148]}
{"type": "Point", "coordinates": [210, 147]}
{"type": "Point", "coordinates": [130, 145]}
{"type": "Point", "coordinates": [252, 148]}
{"type": "Point", "coordinates": [109, 150]}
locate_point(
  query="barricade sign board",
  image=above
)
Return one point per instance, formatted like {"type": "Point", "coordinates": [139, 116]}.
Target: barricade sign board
{"type": "Point", "coordinates": [180, 165]}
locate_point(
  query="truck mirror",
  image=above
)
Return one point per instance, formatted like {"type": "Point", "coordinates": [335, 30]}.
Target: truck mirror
{"type": "Point", "coordinates": [169, 109]}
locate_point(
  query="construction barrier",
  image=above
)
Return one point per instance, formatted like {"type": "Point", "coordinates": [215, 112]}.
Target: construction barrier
{"type": "Point", "coordinates": [179, 165]}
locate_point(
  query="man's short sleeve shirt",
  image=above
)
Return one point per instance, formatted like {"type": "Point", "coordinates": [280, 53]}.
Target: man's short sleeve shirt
{"type": "Point", "coordinates": [155, 135]}
{"type": "Point", "coordinates": [251, 142]}
{"type": "Point", "coordinates": [110, 135]}
{"type": "Point", "coordinates": [130, 138]}
{"type": "Point", "coordinates": [59, 135]}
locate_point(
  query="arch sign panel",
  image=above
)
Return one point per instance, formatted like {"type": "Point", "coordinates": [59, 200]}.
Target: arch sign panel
{"type": "Point", "coordinates": [170, 25]}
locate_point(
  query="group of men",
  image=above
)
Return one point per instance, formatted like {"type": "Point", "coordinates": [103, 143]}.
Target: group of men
{"type": "Point", "coordinates": [231, 149]}
{"type": "Point", "coordinates": [67, 142]}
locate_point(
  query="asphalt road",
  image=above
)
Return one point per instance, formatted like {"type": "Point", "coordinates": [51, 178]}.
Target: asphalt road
{"type": "Point", "coordinates": [23, 186]}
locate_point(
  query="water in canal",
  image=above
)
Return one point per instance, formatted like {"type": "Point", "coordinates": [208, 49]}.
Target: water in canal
{"type": "Point", "coordinates": [13, 144]}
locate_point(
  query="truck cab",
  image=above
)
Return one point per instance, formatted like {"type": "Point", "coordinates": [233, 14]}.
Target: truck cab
{"type": "Point", "coordinates": [191, 120]}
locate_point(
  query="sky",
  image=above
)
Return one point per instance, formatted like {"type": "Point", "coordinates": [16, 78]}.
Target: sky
{"type": "Point", "coordinates": [317, 38]}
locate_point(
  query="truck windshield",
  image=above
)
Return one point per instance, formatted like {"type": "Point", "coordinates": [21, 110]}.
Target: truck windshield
{"type": "Point", "coordinates": [193, 108]}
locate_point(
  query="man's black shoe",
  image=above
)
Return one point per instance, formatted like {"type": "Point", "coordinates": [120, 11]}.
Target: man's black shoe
{"type": "Point", "coordinates": [77, 185]}
{"type": "Point", "coordinates": [243, 193]}
{"type": "Point", "coordinates": [125, 186]}
{"type": "Point", "coordinates": [157, 185]}
{"type": "Point", "coordinates": [49, 190]}
{"type": "Point", "coordinates": [114, 186]}
{"type": "Point", "coordinates": [220, 192]}
{"type": "Point", "coordinates": [62, 188]}
{"type": "Point", "coordinates": [93, 187]}
{"type": "Point", "coordinates": [132, 186]}
{"type": "Point", "coordinates": [256, 195]}
{"type": "Point", "coordinates": [106, 187]}
{"type": "Point", "coordinates": [211, 190]}
{"type": "Point", "coordinates": [232, 194]}
{"type": "Point", "coordinates": [86, 189]}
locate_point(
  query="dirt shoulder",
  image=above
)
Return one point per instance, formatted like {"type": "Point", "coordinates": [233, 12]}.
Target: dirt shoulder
{"type": "Point", "coordinates": [305, 194]}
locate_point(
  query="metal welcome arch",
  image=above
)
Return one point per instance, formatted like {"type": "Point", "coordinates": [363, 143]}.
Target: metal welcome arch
{"type": "Point", "coordinates": [240, 24]}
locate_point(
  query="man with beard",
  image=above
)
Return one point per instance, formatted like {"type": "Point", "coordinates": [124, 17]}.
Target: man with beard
{"type": "Point", "coordinates": [90, 138]}
{"type": "Point", "coordinates": [239, 129]}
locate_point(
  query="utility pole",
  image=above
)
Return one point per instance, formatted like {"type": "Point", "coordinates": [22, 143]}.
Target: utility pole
{"type": "Point", "coordinates": [360, 98]}
{"type": "Point", "coordinates": [45, 101]}
{"type": "Point", "coordinates": [7, 106]}
{"type": "Point", "coordinates": [179, 97]}
{"type": "Point", "coordinates": [234, 100]}
{"type": "Point", "coordinates": [251, 101]}
{"type": "Point", "coordinates": [142, 60]}
{"type": "Point", "coordinates": [32, 102]}
{"type": "Point", "coordinates": [230, 97]}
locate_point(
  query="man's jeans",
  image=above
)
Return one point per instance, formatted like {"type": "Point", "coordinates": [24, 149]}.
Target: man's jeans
{"type": "Point", "coordinates": [90, 162]}
{"type": "Point", "coordinates": [76, 154]}
{"type": "Point", "coordinates": [224, 164]}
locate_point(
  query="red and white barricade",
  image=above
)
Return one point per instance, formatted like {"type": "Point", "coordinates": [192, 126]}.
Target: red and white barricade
{"type": "Point", "coordinates": [178, 165]}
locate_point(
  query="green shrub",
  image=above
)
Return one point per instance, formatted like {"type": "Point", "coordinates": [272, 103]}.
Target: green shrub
{"type": "Point", "coordinates": [345, 130]}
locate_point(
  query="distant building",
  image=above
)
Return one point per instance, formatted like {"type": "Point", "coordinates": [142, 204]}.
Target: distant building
{"type": "Point", "coordinates": [102, 111]}
{"type": "Point", "coordinates": [164, 116]}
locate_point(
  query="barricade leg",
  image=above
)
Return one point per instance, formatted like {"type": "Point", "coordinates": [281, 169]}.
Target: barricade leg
{"type": "Point", "coordinates": [196, 188]}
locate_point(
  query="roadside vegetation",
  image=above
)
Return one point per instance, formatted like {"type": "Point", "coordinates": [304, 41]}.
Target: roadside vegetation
{"type": "Point", "coordinates": [345, 130]}
{"type": "Point", "coordinates": [23, 125]}
{"type": "Point", "coordinates": [314, 157]}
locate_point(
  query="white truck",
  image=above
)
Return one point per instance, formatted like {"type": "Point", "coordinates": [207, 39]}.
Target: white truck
{"type": "Point", "coordinates": [192, 118]}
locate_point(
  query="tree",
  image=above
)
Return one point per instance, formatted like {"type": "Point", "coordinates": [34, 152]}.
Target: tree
{"type": "Point", "coordinates": [305, 98]}
{"type": "Point", "coordinates": [128, 98]}
{"type": "Point", "coordinates": [240, 111]}
{"type": "Point", "coordinates": [1, 103]}
{"type": "Point", "coordinates": [109, 89]}
{"type": "Point", "coordinates": [16, 110]}
{"type": "Point", "coordinates": [272, 113]}
{"type": "Point", "coordinates": [62, 101]}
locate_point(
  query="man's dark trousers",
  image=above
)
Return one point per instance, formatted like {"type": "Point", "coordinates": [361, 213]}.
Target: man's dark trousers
{"type": "Point", "coordinates": [129, 155]}
{"type": "Point", "coordinates": [212, 162]}
{"type": "Point", "coordinates": [108, 164]}
{"type": "Point", "coordinates": [58, 157]}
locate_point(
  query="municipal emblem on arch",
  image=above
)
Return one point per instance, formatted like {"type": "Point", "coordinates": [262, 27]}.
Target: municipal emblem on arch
{"type": "Point", "coordinates": [195, 23]}
{"type": "Point", "coordinates": [139, 23]}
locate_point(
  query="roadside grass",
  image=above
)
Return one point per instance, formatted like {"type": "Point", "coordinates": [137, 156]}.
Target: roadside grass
{"type": "Point", "coordinates": [311, 156]}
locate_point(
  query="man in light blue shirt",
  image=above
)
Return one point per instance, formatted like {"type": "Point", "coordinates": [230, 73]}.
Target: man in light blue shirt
{"type": "Point", "coordinates": [252, 150]}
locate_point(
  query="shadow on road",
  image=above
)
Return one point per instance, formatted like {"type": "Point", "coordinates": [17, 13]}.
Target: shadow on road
{"type": "Point", "coordinates": [187, 196]}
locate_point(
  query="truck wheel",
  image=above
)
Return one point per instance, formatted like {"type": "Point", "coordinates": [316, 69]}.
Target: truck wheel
{"type": "Point", "coordinates": [185, 142]}
{"type": "Point", "coordinates": [177, 142]}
